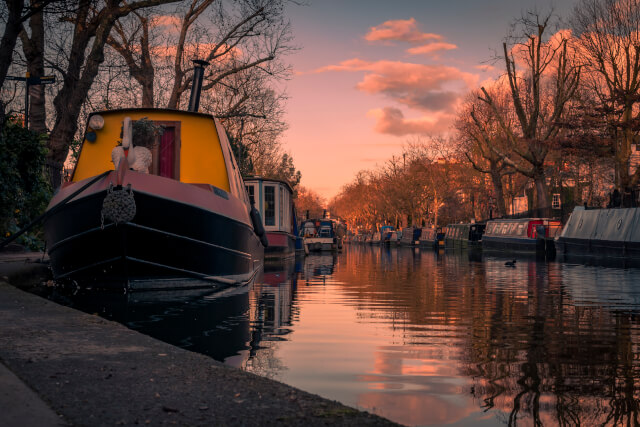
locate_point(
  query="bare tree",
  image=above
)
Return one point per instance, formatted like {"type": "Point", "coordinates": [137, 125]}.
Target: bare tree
{"type": "Point", "coordinates": [539, 95]}
{"type": "Point", "coordinates": [136, 53]}
{"type": "Point", "coordinates": [479, 132]}
{"type": "Point", "coordinates": [608, 33]}
{"type": "Point", "coordinates": [244, 41]}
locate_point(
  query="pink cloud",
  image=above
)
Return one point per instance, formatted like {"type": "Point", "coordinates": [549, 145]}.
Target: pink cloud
{"type": "Point", "coordinates": [400, 30]}
{"type": "Point", "coordinates": [420, 86]}
{"type": "Point", "coordinates": [431, 48]}
{"type": "Point", "coordinates": [167, 21]}
{"type": "Point", "coordinates": [485, 67]}
{"type": "Point", "coordinates": [391, 121]}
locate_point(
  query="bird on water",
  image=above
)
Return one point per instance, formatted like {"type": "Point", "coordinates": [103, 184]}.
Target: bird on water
{"type": "Point", "coordinates": [510, 263]}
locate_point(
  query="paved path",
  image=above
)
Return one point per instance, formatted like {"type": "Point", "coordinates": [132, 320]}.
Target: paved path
{"type": "Point", "coordinates": [71, 367]}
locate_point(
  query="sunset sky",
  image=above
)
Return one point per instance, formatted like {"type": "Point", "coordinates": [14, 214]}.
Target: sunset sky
{"type": "Point", "coordinates": [372, 75]}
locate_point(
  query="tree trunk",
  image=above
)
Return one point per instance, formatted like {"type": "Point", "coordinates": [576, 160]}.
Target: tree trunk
{"type": "Point", "coordinates": [496, 179]}
{"type": "Point", "coordinates": [10, 36]}
{"type": "Point", "coordinates": [623, 155]}
{"type": "Point", "coordinates": [33, 49]}
{"type": "Point", "coordinates": [542, 195]}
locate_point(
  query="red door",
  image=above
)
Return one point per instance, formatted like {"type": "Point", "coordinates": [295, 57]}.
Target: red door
{"type": "Point", "coordinates": [166, 157]}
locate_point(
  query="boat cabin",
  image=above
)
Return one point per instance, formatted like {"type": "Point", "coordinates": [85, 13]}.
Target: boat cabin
{"type": "Point", "coordinates": [465, 235]}
{"type": "Point", "coordinates": [411, 236]}
{"type": "Point", "coordinates": [432, 237]}
{"type": "Point", "coordinates": [523, 234]}
{"type": "Point", "coordinates": [183, 146]}
{"type": "Point", "coordinates": [530, 228]}
{"type": "Point", "coordinates": [274, 201]}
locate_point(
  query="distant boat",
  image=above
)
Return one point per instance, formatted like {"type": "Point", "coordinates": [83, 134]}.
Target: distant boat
{"type": "Point", "coordinates": [432, 237]}
{"type": "Point", "coordinates": [274, 200]}
{"type": "Point", "coordinates": [183, 215]}
{"type": "Point", "coordinates": [386, 233]}
{"type": "Point", "coordinates": [464, 236]}
{"type": "Point", "coordinates": [410, 236]}
{"type": "Point", "coordinates": [602, 233]}
{"type": "Point", "coordinates": [533, 235]}
{"type": "Point", "coordinates": [322, 235]}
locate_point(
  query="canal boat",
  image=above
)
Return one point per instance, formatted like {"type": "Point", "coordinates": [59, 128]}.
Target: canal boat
{"type": "Point", "coordinates": [410, 236]}
{"type": "Point", "coordinates": [376, 238]}
{"type": "Point", "coordinates": [386, 233]}
{"type": "Point", "coordinates": [464, 236]}
{"type": "Point", "coordinates": [432, 237]}
{"type": "Point", "coordinates": [394, 239]}
{"type": "Point", "coordinates": [533, 235]}
{"type": "Point", "coordinates": [155, 201]}
{"type": "Point", "coordinates": [274, 200]}
{"type": "Point", "coordinates": [322, 235]}
{"type": "Point", "coordinates": [602, 233]}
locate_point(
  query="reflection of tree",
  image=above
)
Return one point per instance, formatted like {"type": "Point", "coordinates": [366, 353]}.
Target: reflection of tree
{"type": "Point", "coordinates": [532, 352]}
{"type": "Point", "coordinates": [546, 355]}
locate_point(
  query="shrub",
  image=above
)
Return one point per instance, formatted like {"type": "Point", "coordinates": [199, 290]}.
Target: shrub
{"type": "Point", "coordinates": [24, 190]}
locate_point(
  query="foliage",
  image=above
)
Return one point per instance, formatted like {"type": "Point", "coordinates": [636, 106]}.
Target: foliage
{"type": "Point", "coordinates": [242, 155]}
{"type": "Point", "coordinates": [145, 133]}
{"type": "Point", "coordinates": [285, 170]}
{"type": "Point", "coordinates": [309, 200]}
{"type": "Point", "coordinates": [24, 191]}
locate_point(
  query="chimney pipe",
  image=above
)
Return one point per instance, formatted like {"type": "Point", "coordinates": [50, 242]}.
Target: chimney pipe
{"type": "Point", "coordinates": [196, 85]}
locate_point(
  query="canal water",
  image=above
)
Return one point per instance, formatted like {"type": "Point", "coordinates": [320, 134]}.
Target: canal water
{"type": "Point", "coordinates": [420, 337]}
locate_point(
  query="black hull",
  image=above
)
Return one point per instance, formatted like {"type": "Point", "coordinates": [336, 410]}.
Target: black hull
{"type": "Point", "coordinates": [507, 244]}
{"type": "Point", "coordinates": [599, 248]}
{"type": "Point", "coordinates": [166, 241]}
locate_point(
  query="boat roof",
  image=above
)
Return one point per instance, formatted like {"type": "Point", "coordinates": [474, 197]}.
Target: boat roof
{"type": "Point", "coordinates": [261, 178]}
{"type": "Point", "coordinates": [159, 110]}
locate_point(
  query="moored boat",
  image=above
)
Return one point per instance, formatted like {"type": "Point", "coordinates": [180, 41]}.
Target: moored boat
{"type": "Point", "coordinates": [464, 236]}
{"type": "Point", "coordinates": [155, 201]}
{"type": "Point", "coordinates": [534, 235]}
{"type": "Point", "coordinates": [410, 236]}
{"type": "Point", "coordinates": [322, 235]}
{"type": "Point", "coordinates": [602, 233]}
{"type": "Point", "coordinates": [274, 200]}
{"type": "Point", "coordinates": [432, 237]}
{"type": "Point", "coordinates": [386, 232]}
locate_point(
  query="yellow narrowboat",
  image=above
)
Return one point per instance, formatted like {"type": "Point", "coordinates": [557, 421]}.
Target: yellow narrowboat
{"type": "Point", "coordinates": [156, 198]}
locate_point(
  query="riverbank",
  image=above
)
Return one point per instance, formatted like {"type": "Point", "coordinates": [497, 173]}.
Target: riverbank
{"type": "Point", "coordinates": [80, 369]}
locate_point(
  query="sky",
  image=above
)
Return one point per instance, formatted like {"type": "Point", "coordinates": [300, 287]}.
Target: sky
{"type": "Point", "coordinates": [371, 75]}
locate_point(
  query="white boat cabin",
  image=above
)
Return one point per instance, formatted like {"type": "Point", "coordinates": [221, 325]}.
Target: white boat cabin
{"type": "Point", "coordinates": [274, 200]}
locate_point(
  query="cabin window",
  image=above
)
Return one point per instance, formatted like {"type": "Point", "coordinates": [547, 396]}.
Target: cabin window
{"type": "Point", "coordinates": [251, 192]}
{"type": "Point", "coordinates": [280, 211]}
{"type": "Point", "coordinates": [521, 229]}
{"type": "Point", "coordinates": [504, 228]}
{"type": "Point", "coordinates": [269, 205]}
{"type": "Point", "coordinates": [555, 202]}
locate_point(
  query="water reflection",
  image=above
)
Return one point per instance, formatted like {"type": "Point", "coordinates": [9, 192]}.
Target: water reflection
{"type": "Point", "coordinates": [424, 337]}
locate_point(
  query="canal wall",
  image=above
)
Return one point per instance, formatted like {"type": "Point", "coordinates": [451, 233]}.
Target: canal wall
{"type": "Point", "coordinates": [80, 369]}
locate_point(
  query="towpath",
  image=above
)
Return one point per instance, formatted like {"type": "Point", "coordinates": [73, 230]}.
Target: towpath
{"type": "Point", "coordinates": [59, 366]}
